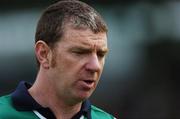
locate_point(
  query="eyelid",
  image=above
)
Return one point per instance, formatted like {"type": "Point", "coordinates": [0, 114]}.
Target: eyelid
{"type": "Point", "coordinates": [101, 53]}
{"type": "Point", "coordinates": [80, 51]}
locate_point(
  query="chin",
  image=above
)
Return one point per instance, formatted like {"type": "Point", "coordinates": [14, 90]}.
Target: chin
{"type": "Point", "coordinates": [83, 96]}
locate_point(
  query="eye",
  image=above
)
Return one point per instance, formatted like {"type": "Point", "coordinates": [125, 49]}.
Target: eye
{"type": "Point", "coordinates": [79, 52]}
{"type": "Point", "coordinates": [101, 54]}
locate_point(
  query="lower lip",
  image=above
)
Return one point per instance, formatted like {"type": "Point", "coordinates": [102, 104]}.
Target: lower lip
{"type": "Point", "coordinates": [86, 85]}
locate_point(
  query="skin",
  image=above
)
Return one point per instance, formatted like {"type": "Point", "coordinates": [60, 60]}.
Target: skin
{"type": "Point", "coordinates": [69, 73]}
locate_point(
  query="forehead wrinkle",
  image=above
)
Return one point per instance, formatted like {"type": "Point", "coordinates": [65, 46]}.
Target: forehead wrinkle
{"type": "Point", "coordinates": [88, 41]}
{"type": "Point", "coordinates": [83, 33]}
{"type": "Point", "coordinates": [85, 38]}
{"type": "Point", "coordinates": [94, 44]}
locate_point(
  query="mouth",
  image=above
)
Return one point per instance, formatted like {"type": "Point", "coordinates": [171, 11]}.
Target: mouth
{"type": "Point", "coordinates": [88, 81]}
{"type": "Point", "coordinates": [87, 84]}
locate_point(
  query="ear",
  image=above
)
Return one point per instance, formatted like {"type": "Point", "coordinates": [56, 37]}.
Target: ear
{"type": "Point", "coordinates": [42, 51]}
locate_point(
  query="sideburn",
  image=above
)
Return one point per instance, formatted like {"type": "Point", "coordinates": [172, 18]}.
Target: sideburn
{"type": "Point", "coordinates": [53, 61]}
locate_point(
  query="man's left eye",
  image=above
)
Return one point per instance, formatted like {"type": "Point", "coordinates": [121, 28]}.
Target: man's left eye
{"type": "Point", "coordinates": [101, 54]}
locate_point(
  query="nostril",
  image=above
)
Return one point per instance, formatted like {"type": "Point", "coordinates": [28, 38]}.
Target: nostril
{"type": "Point", "coordinates": [91, 71]}
{"type": "Point", "coordinates": [93, 66]}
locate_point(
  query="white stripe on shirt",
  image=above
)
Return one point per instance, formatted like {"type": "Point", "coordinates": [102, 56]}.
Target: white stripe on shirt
{"type": "Point", "coordinates": [42, 117]}
{"type": "Point", "coordinates": [39, 115]}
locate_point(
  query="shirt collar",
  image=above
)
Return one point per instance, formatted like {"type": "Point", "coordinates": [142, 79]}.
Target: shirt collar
{"type": "Point", "coordinates": [23, 101]}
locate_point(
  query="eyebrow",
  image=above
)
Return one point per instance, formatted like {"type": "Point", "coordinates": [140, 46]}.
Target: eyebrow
{"type": "Point", "coordinates": [103, 50]}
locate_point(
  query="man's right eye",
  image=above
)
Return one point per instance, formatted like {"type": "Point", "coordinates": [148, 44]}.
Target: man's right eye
{"type": "Point", "coordinates": [78, 52]}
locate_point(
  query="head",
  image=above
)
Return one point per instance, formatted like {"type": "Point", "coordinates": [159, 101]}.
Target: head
{"type": "Point", "coordinates": [71, 43]}
{"type": "Point", "coordinates": [50, 28]}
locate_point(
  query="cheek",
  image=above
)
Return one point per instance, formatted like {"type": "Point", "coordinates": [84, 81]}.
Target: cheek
{"type": "Point", "coordinates": [66, 62]}
{"type": "Point", "coordinates": [102, 64]}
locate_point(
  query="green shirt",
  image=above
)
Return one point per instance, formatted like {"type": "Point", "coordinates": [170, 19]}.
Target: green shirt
{"type": "Point", "coordinates": [21, 105]}
{"type": "Point", "coordinates": [7, 111]}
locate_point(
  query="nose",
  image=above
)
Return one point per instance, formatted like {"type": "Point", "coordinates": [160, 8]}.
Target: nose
{"type": "Point", "coordinates": [93, 64]}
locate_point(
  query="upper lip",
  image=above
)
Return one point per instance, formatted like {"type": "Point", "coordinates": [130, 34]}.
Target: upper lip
{"type": "Point", "coordinates": [88, 80]}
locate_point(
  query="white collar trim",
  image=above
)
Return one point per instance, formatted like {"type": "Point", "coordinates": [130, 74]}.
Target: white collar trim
{"type": "Point", "coordinates": [39, 115]}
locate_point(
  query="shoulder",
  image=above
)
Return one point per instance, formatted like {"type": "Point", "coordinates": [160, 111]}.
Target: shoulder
{"type": "Point", "coordinates": [99, 113]}
{"type": "Point", "coordinates": [5, 102]}
{"type": "Point", "coordinates": [7, 111]}
{"type": "Point", "coordinates": [5, 106]}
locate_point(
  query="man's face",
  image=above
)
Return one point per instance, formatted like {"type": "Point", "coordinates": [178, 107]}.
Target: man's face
{"type": "Point", "coordinates": [77, 63]}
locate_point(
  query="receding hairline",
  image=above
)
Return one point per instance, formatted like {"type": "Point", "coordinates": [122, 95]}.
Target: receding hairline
{"type": "Point", "coordinates": [69, 25]}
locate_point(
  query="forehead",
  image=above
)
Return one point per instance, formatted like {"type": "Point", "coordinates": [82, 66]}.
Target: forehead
{"type": "Point", "coordinates": [85, 37]}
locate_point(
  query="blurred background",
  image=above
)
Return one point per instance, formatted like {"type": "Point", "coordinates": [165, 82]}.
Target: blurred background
{"type": "Point", "coordinates": [141, 75]}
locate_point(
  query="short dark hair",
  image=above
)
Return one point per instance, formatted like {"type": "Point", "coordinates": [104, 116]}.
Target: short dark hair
{"type": "Point", "coordinates": [51, 24]}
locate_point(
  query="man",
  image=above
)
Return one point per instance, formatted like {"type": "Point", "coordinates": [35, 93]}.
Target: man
{"type": "Point", "coordinates": [70, 47]}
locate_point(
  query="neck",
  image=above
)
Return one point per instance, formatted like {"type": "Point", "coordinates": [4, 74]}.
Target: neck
{"type": "Point", "coordinates": [43, 92]}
